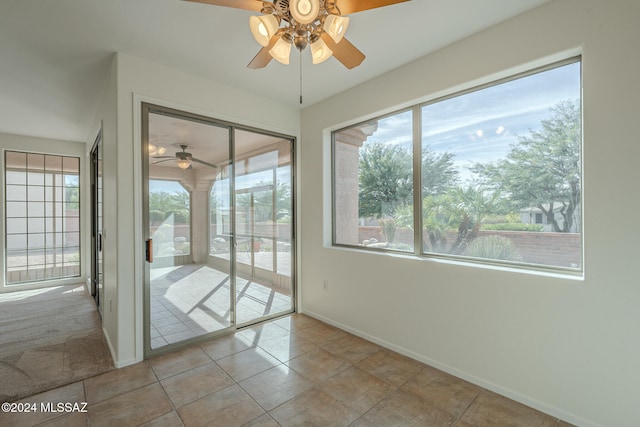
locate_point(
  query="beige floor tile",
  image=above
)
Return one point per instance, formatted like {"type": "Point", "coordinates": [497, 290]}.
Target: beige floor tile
{"type": "Point", "coordinates": [132, 408]}
{"type": "Point", "coordinates": [71, 393]}
{"type": "Point", "coordinates": [260, 333]}
{"type": "Point", "coordinates": [490, 409]}
{"type": "Point", "coordinates": [321, 333]}
{"type": "Point", "coordinates": [313, 408]}
{"type": "Point", "coordinates": [275, 386]}
{"type": "Point", "coordinates": [443, 390]}
{"type": "Point", "coordinates": [391, 367]}
{"type": "Point", "coordinates": [178, 361]}
{"type": "Point", "coordinates": [287, 347]}
{"type": "Point", "coordinates": [198, 382]}
{"type": "Point", "coordinates": [405, 409]}
{"type": "Point", "coordinates": [229, 407]}
{"type": "Point", "coordinates": [352, 348]}
{"type": "Point", "coordinates": [170, 419]}
{"type": "Point", "coordinates": [263, 421]}
{"type": "Point", "coordinates": [296, 322]}
{"type": "Point", "coordinates": [318, 365]}
{"type": "Point", "coordinates": [225, 346]}
{"type": "Point", "coordinates": [74, 419]}
{"type": "Point", "coordinates": [120, 381]}
{"type": "Point", "coordinates": [357, 389]}
{"type": "Point", "coordinates": [247, 363]}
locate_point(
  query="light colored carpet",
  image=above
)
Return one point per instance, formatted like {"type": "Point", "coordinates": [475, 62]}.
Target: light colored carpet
{"type": "Point", "coordinates": [48, 338]}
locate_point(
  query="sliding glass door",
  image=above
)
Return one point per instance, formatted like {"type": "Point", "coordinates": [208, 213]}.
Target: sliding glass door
{"type": "Point", "coordinates": [218, 219]}
{"type": "Point", "coordinates": [264, 212]}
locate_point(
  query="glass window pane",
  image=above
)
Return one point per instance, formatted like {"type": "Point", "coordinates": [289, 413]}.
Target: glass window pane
{"type": "Point", "coordinates": [71, 165]}
{"type": "Point", "coordinates": [16, 225]}
{"type": "Point", "coordinates": [36, 225]}
{"type": "Point", "coordinates": [16, 242]}
{"type": "Point", "coordinates": [16, 210]}
{"type": "Point", "coordinates": [15, 177]}
{"type": "Point", "coordinates": [501, 171]}
{"type": "Point", "coordinates": [373, 184]}
{"type": "Point", "coordinates": [16, 193]}
{"type": "Point", "coordinates": [35, 240]}
{"type": "Point", "coordinates": [35, 194]}
{"type": "Point", "coordinates": [35, 178]}
{"type": "Point", "coordinates": [16, 259]}
{"type": "Point", "coordinates": [36, 208]}
{"type": "Point", "coordinates": [35, 162]}
{"type": "Point", "coordinates": [53, 163]}
{"type": "Point", "coordinates": [16, 160]}
{"type": "Point", "coordinates": [71, 181]}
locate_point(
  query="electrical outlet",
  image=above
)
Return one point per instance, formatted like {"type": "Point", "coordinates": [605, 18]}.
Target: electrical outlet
{"type": "Point", "coordinates": [325, 285]}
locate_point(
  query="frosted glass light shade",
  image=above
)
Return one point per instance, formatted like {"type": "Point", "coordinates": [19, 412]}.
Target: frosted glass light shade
{"type": "Point", "coordinates": [281, 51]}
{"type": "Point", "coordinates": [304, 11]}
{"type": "Point", "coordinates": [320, 52]}
{"type": "Point", "coordinates": [263, 27]}
{"type": "Point", "coordinates": [183, 163]}
{"type": "Point", "coordinates": [336, 26]}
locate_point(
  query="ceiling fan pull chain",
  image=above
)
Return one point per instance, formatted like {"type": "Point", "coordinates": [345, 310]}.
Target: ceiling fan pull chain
{"type": "Point", "coordinates": [300, 77]}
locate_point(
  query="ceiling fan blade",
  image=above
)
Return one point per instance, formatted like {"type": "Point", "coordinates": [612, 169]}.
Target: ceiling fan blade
{"type": "Point", "coordinates": [211, 165]}
{"type": "Point", "coordinates": [352, 6]}
{"type": "Point", "coordinates": [255, 5]}
{"type": "Point", "coordinates": [263, 57]}
{"type": "Point", "coordinates": [345, 52]}
{"type": "Point", "coordinates": [162, 161]}
{"type": "Point", "coordinates": [164, 157]}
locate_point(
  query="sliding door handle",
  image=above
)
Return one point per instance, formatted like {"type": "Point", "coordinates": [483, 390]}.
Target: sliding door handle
{"type": "Point", "coordinates": [149, 254]}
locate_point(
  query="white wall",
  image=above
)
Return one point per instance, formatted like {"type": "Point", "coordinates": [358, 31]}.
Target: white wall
{"type": "Point", "coordinates": [44, 146]}
{"type": "Point", "coordinates": [133, 81]}
{"type": "Point", "coordinates": [106, 120]}
{"type": "Point", "coordinates": [568, 347]}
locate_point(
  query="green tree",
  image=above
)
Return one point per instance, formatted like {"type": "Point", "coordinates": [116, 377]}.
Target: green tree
{"type": "Point", "coordinates": [461, 210]}
{"type": "Point", "coordinates": [543, 169]}
{"type": "Point", "coordinates": [163, 204]}
{"type": "Point", "coordinates": [385, 179]}
{"type": "Point", "coordinates": [438, 172]}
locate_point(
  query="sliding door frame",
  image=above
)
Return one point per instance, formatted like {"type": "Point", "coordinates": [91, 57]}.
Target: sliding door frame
{"type": "Point", "coordinates": [147, 108]}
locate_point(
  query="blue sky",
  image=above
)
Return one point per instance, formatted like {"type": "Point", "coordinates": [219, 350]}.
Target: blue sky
{"type": "Point", "coordinates": [480, 126]}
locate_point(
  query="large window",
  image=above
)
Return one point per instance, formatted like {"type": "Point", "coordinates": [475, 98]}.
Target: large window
{"type": "Point", "coordinates": [42, 201]}
{"type": "Point", "coordinates": [500, 176]}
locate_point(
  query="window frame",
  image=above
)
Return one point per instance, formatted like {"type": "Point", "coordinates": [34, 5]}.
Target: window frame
{"type": "Point", "coordinates": [418, 246]}
{"type": "Point", "coordinates": [46, 217]}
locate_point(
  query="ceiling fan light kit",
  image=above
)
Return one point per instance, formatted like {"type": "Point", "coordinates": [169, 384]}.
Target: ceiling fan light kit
{"type": "Point", "coordinates": [182, 158]}
{"type": "Point", "coordinates": [303, 23]}
{"type": "Point", "coordinates": [183, 163]}
{"type": "Point", "coordinates": [263, 28]}
{"type": "Point", "coordinates": [320, 52]}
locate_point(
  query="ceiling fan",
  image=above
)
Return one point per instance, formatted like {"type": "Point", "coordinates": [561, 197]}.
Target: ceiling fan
{"type": "Point", "coordinates": [183, 159]}
{"type": "Point", "coordinates": [319, 24]}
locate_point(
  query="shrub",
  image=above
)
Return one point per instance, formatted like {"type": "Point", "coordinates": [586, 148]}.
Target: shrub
{"type": "Point", "coordinates": [512, 226]}
{"type": "Point", "coordinates": [493, 247]}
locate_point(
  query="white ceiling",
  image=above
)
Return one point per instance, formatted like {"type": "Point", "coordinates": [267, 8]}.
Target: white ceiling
{"type": "Point", "coordinates": [54, 55]}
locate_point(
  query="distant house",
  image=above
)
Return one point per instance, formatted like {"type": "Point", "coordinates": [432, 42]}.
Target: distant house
{"type": "Point", "coordinates": [534, 215]}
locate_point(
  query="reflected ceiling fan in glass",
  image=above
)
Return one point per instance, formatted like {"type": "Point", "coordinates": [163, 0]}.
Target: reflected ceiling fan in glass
{"type": "Point", "coordinates": [183, 159]}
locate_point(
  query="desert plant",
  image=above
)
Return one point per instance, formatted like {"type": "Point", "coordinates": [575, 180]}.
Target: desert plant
{"type": "Point", "coordinates": [493, 247]}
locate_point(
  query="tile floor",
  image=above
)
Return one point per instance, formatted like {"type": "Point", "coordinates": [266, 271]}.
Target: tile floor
{"type": "Point", "coordinates": [289, 372]}
{"type": "Point", "coordinates": [191, 300]}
